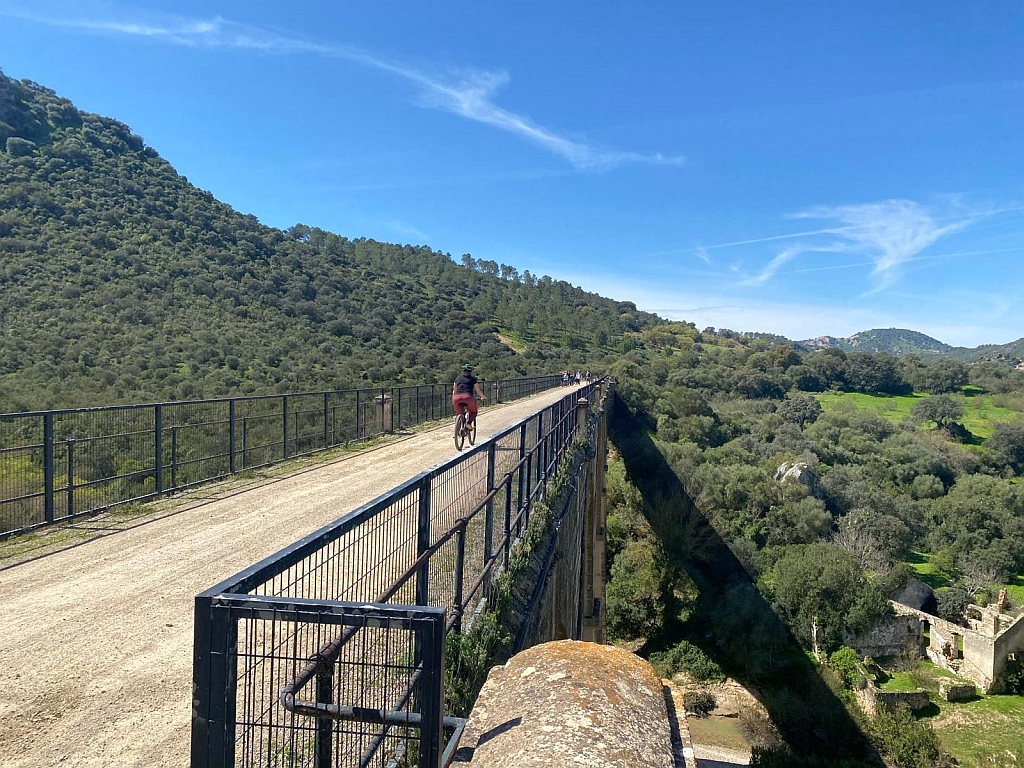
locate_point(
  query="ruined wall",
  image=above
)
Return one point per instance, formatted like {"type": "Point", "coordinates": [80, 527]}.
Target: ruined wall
{"type": "Point", "coordinates": [889, 637]}
{"type": "Point", "coordinates": [1011, 640]}
{"type": "Point", "coordinates": [983, 659]}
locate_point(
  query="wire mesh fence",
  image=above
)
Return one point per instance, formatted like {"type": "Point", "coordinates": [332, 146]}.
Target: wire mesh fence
{"type": "Point", "coordinates": [57, 465]}
{"type": "Point", "coordinates": [283, 673]}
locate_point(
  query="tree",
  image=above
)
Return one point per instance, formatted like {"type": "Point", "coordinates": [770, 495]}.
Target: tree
{"type": "Point", "coordinates": [942, 409]}
{"type": "Point", "coordinates": [799, 410]}
{"type": "Point", "coordinates": [875, 373]}
{"type": "Point", "coordinates": [822, 584]}
{"type": "Point", "coordinates": [636, 592]}
{"type": "Point", "coordinates": [1007, 444]}
{"type": "Point", "coordinates": [941, 376]}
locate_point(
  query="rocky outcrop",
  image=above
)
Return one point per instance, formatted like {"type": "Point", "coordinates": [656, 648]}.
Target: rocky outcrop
{"type": "Point", "coordinates": [572, 703]}
{"type": "Point", "coordinates": [797, 472]}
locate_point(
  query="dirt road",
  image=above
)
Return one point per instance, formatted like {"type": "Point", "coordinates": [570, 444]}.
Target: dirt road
{"type": "Point", "coordinates": [96, 642]}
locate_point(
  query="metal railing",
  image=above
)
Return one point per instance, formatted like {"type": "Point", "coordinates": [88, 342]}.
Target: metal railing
{"type": "Point", "coordinates": [58, 465]}
{"type": "Point", "coordinates": [326, 653]}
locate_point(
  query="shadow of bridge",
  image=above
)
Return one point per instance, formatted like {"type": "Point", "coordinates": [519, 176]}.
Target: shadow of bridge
{"type": "Point", "coordinates": [746, 637]}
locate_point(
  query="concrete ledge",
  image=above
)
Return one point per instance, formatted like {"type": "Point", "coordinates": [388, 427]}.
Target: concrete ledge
{"type": "Point", "coordinates": [570, 703]}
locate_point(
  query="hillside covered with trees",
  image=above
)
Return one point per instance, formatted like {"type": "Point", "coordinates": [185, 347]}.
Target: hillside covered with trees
{"type": "Point", "coordinates": [120, 281]}
{"type": "Point", "coordinates": [900, 467]}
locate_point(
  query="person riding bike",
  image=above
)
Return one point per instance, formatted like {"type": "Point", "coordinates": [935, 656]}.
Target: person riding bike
{"type": "Point", "coordinates": [465, 392]}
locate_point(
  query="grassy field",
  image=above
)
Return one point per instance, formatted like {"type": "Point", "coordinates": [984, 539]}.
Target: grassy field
{"type": "Point", "coordinates": [983, 732]}
{"type": "Point", "coordinates": [980, 414]}
{"type": "Point", "coordinates": [927, 571]}
{"type": "Point", "coordinates": [978, 733]}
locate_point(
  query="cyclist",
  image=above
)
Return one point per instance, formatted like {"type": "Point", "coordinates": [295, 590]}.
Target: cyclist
{"type": "Point", "coordinates": [465, 392]}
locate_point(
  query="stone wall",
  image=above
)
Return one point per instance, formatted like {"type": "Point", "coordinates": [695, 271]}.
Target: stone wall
{"type": "Point", "coordinates": [890, 700]}
{"type": "Point", "coordinates": [983, 657]}
{"type": "Point", "coordinates": [889, 637]}
{"type": "Point", "coordinates": [1011, 640]}
{"type": "Point", "coordinates": [571, 703]}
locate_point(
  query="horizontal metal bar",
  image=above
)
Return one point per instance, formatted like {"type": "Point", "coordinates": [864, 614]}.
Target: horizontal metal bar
{"type": "Point", "coordinates": [367, 715]}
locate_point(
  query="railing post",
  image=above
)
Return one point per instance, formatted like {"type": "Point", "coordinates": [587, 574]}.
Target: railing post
{"type": "Point", "coordinates": [507, 526]}
{"type": "Point", "coordinates": [387, 412]}
{"type": "Point", "coordinates": [582, 409]}
{"type": "Point", "coordinates": [158, 447]}
{"type": "Point", "coordinates": [431, 693]}
{"type": "Point", "coordinates": [327, 416]}
{"type": "Point", "coordinates": [284, 426]}
{"type": "Point", "coordinates": [423, 543]}
{"type": "Point", "coordinates": [215, 647]}
{"type": "Point", "coordinates": [460, 568]}
{"type": "Point", "coordinates": [489, 517]}
{"type": "Point", "coordinates": [71, 479]}
{"type": "Point", "coordinates": [245, 442]}
{"type": "Point", "coordinates": [231, 436]}
{"type": "Point", "coordinates": [322, 757]}
{"type": "Point", "coordinates": [522, 455]}
{"type": "Point", "coordinates": [357, 415]}
{"type": "Point", "coordinates": [174, 457]}
{"type": "Point", "coordinates": [48, 470]}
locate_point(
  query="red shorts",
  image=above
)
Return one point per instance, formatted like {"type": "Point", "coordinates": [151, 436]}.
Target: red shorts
{"type": "Point", "coordinates": [464, 403]}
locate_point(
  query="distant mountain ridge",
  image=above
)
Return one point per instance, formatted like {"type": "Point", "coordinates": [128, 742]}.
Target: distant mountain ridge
{"type": "Point", "coordinates": [902, 341]}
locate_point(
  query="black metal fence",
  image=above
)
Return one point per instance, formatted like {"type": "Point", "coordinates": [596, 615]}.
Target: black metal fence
{"type": "Point", "coordinates": [327, 654]}
{"type": "Point", "coordinates": [57, 465]}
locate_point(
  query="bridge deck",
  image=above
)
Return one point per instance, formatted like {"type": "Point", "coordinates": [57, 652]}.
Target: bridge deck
{"type": "Point", "coordinates": [96, 641]}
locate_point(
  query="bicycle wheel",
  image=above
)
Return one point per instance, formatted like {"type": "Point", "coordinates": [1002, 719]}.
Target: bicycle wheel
{"type": "Point", "coordinates": [460, 431]}
{"type": "Point", "coordinates": [471, 432]}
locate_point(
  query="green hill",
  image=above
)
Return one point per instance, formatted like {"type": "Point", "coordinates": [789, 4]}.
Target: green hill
{"type": "Point", "coordinates": [119, 281]}
{"type": "Point", "coordinates": [896, 341]}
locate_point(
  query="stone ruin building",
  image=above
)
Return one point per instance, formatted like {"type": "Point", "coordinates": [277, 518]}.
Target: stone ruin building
{"type": "Point", "coordinates": [978, 652]}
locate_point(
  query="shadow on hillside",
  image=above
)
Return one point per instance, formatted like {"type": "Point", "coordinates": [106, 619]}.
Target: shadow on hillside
{"type": "Point", "coordinates": [737, 626]}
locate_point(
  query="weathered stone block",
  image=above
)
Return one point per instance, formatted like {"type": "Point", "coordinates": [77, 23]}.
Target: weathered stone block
{"type": "Point", "coordinates": [954, 691]}
{"type": "Point", "coordinates": [890, 700]}
{"type": "Point", "coordinates": [570, 703]}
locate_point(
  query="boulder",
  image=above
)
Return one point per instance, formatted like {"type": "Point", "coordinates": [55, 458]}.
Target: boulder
{"type": "Point", "coordinates": [798, 472]}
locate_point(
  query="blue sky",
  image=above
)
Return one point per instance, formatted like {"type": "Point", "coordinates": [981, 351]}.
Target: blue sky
{"type": "Point", "coordinates": [800, 168]}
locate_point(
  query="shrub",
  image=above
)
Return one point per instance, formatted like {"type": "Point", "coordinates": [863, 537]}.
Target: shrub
{"type": "Point", "coordinates": [906, 741]}
{"type": "Point", "coordinates": [687, 657]}
{"type": "Point", "coordinates": [699, 703]}
{"type": "Point", "coordinates": [1013, 677]}
{"type": "Point", "coordinates": [19, 147]}
{"type": "Point", "coordinates": [780, 756]}
{"type": "Point", "coordinates": [844, 661]}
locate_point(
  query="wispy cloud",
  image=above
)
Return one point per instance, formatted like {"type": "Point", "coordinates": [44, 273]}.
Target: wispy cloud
{"type": "Point", "coordinates": [774, 266]}
{"type": "Point", "coordinates": [890, 232]}
{"type": "Point", "coordinates": [469, 94]}
{"type": "Point", "coordinates": [884, 236]}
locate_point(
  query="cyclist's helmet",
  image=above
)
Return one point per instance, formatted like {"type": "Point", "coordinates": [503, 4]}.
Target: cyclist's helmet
{"type": "Point", "coordinates": [467, 368]}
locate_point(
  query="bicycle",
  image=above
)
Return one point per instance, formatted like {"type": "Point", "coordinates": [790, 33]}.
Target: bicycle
{"type": "Point", "coordinates": [464, 429]}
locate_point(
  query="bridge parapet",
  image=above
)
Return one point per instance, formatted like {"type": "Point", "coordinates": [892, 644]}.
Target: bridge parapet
{"type": "Point", "coordinates": [574, 703]}
{"type": "Point", "coordinates": [327, 652]}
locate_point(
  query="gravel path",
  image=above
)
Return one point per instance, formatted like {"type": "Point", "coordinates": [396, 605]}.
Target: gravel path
{"type": "Point", "coordinates": [96, 648]}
